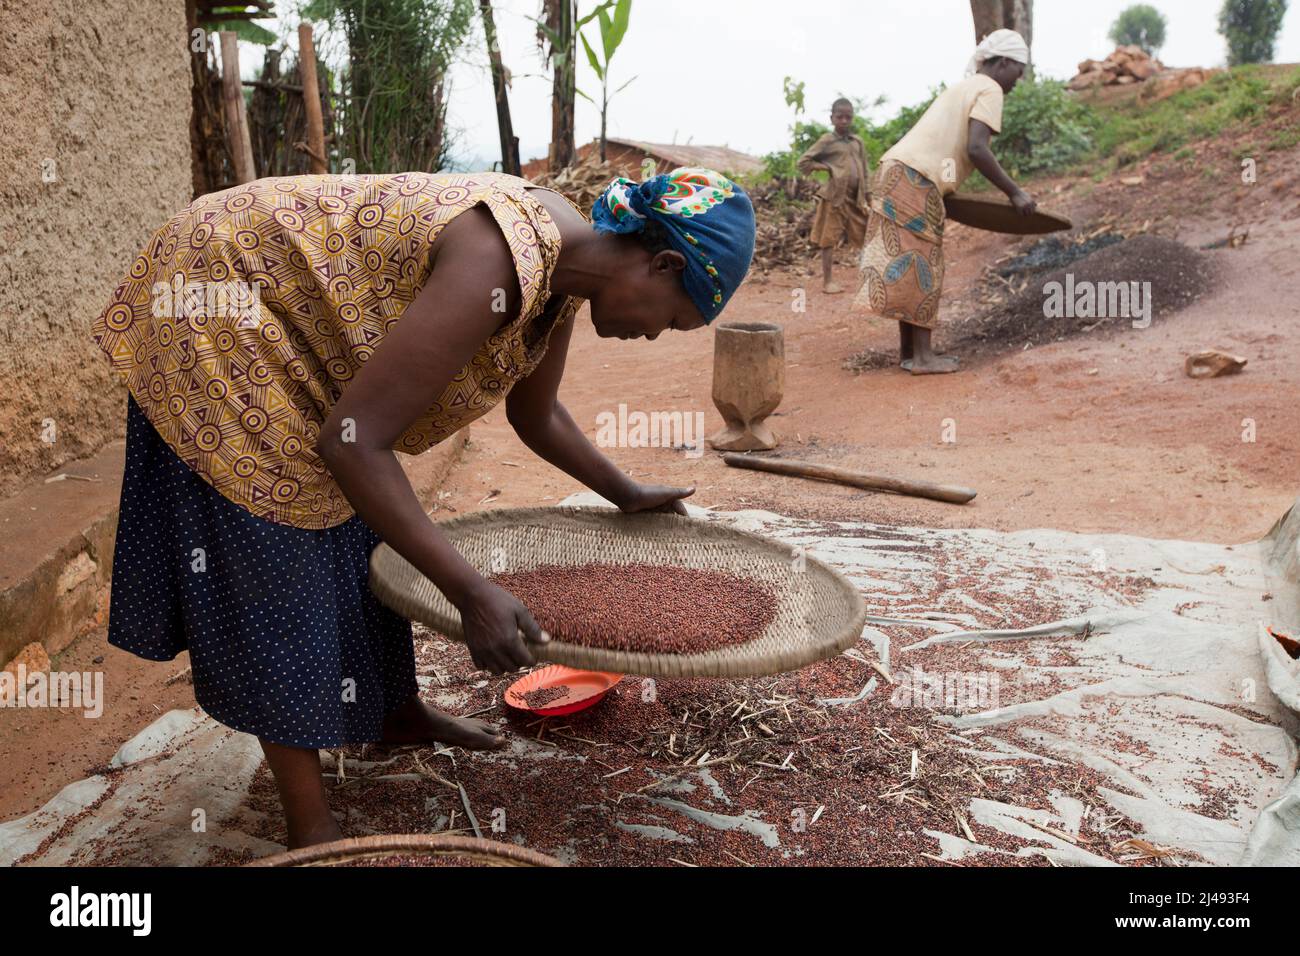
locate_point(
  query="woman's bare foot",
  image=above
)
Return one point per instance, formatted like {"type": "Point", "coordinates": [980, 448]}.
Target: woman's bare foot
{"type": "Point", "coordinates": [322, 831]}
{"type": "Point", "coordinates": [924, 360]}
{"type": "Point", "coordinates": [932, 365]}
{"type": "Point", "coordinates": [832, 288]}
{"type": "Point", "coordinates": [297, 774]}
{"type": "Point", "coordinates": [905, 345]}
{"type": "Point", "coordinates": [415, 722]}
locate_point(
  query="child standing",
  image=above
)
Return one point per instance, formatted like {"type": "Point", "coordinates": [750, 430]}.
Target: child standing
{"type": "Point", "coordinates": [843, 201]}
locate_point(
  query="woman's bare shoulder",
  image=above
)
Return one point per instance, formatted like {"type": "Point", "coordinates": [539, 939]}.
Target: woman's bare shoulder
{"type": "Point", "coordinates": [471, 251]}
{"type": "Point", "coordinates": [565, 213]}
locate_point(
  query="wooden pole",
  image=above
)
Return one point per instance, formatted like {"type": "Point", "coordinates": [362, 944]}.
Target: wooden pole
{"type": "Point", "coordinates": [197, 170]}
{"type": "Point", "coordinates": [857, 479]}
{"type": "Point", "coordinates": [232, 95]}
{"type": "Point", "coordinates": [311, 100]}
{"type": "Point", "coordinates": [509, 142]}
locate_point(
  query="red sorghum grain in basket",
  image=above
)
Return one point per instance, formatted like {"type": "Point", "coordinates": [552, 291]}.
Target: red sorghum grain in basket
{"type": "Point", "coordinates": [542, 696]}
{"type": "Point", "coordinates": [645, 608]}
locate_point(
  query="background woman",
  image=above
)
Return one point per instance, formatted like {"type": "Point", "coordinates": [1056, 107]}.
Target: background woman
{"type": "Point", "coordinates": [280, 340]}
{"type": "Point", "coordinates": [903, 262]}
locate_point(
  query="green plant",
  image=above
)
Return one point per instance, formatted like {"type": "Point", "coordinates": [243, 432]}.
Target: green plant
{"type": "Point", "coordinates": [1140, 25]}
{"type": "Point", "coordinates": [558, 29]}
{"type": "Point", "coordinates": [1044, 128]}
{"type": "Point", "coordinates": [238, 19]}
{"type": "Point", "coordinates": [1251, 28]}
{"type": "Point", "coordinates": [612, 31]}
{"type": "Point", "coordinates": [794, 96]}
{"type": "Point", "coordinates": [394, 98]}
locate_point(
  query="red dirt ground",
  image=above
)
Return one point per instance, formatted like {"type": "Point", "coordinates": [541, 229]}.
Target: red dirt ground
{"type": "Point", "coordinates": [1102, 433]}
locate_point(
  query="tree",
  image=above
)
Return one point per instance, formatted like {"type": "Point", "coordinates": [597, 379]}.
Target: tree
{"type": "Point", "coordinates": [557, 33]}
{"type": "Point", "coordinates": [500, 85]}
{"type": "Point", "coordinates": [990, 15]}
{"type": "Point", "coordinates": [1251, 28]}
{"type": "Point", "coordinates": [558, 26]}
{"type": "Point", "coordinates": [1140, 25]}
{"type": "Point", "coordinates": [612, 31]}
{"type": "Point", "coordinates": [394, 100]}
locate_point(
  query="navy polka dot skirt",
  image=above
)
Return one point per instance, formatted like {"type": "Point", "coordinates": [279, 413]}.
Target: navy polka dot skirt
{"type": "Point", "coordinates": [285, 639]}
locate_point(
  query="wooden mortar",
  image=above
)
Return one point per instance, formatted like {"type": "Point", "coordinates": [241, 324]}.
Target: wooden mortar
{"type": "Point", "coordinates": [748, 383]}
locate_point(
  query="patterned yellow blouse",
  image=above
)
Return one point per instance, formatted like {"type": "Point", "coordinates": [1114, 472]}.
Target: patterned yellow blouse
{"type": "Point", "coordinates": [244, 319]}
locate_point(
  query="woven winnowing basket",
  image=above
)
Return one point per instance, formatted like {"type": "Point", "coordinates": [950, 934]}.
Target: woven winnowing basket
{"type": "Point", "coordinates": [386, 846]}
{"type": "Point", "coordinates": [819, 613]}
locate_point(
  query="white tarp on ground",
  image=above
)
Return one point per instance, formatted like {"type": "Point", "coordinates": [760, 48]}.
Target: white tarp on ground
{"type": "Point", "coordinates": [1184, 664]}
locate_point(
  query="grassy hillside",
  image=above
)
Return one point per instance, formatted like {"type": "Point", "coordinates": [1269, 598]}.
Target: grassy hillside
{"type": "Point", "coordinates": [1231, 103]}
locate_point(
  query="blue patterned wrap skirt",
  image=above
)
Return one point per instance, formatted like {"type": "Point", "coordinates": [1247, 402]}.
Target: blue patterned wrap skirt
{"type": "Point", "coordinates": [286, 640]}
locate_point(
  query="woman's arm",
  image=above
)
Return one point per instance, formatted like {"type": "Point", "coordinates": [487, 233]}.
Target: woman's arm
{"type": "Point", "coordinates": [981, 154]}
{"type": "Point", "coordinates": [545, 426]}
{"type": "Point", "coordinates": [436, 337]}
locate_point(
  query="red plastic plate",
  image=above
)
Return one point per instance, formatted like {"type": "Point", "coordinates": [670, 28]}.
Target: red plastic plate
{"type": "Point", "coordinates": [586, 688]}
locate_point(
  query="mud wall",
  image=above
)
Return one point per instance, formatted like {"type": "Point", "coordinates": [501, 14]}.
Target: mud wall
{"type": "Point", "coordinates": [94, 156]}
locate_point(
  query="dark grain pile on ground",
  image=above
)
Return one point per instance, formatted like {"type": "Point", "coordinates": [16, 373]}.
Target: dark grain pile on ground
{"type": "Point", "coordinates": [643, 608]}
{"type": "Point", "coordinates": [1054, 252]}
{"type": "Point", "coordinates": [1177, 275]}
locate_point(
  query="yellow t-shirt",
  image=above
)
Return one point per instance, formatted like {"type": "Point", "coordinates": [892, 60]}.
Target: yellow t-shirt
{"type": "Point", "coordinates": [244, 319]}
{"type": "Point", "coordinates": [936, 146]}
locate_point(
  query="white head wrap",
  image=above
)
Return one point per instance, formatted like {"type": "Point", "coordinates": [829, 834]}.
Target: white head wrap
{"type": "Point", "coordinates": [1006, 43]}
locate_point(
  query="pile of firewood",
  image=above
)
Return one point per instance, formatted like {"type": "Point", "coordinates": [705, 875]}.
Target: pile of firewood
{"type": "Point", "coordinates": [783, 213]}
{"type": "Point", "coordinates": [1128, 64]}
{"type": "Point", "coordinates": [582, 182]}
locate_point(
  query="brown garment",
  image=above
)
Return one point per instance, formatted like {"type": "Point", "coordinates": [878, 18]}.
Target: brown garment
{"type": "Point", "coordinates": [846, 159]}
{"type": "Point", "coordinates": [832, 223]}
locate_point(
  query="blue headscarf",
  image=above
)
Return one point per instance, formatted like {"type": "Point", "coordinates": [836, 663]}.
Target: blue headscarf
{"type": "Point", "coordinates": [709, 220]}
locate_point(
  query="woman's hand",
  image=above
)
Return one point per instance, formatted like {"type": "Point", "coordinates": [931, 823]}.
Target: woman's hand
{"type": "Point", "coordinates": [1024, 203]}
{"type": "Point", "coordinates": [654, 498]}
{"type": "Point", "coordinates": [492, 618]}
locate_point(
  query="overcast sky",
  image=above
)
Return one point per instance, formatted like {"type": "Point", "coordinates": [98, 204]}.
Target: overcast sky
{"type": "Point", "coordinates": [711, 71]}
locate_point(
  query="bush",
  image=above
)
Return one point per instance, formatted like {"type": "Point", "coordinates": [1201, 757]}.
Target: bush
{"type": "Point", "coordinates": [1140, 25]}
{"type": "Point", "coordinates": [1251, 28]}
{"type": "Point", "coordinates": [1044, 129]}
